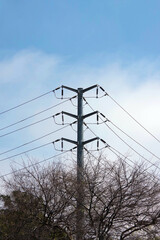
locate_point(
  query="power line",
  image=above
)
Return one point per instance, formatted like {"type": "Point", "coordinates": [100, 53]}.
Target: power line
{"type": "Point", "coordinates": [109, 149]}
{"type": "Point", "coordinates": [138, 143]}
{"type": "Point", "coordinates": [135, 120]}
{"type": "Point", "coordinates": [21, 104]}
{"type": "Point", "coordinates": [134, 140]}
{"type": "Point", "coordinates": [131, 116]}
{"type": "Point", "coordinates": [22, 120]}
{"type": "Point", "coordinates": [127, 143]}
{"type": "Point", "coordinates": [46, 135]}
{"type": "Point", "coordinates": [44, 160]}
{"type": "Point", "coordinates": [114, 150]}
{"type": "Point", "coordinates": [132, 147]}
{"type": "Point", "coordinates": [29, 125]}
{"type": "Point", "coordinates": [124, 133]}
{"type": "Point", "coordinates": [30, 150]}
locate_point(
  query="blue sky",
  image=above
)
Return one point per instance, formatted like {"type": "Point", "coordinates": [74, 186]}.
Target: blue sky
{"type": "Point", "coordinates": [79, 29]}
{"type": "Point", "coordinates": [46, 44]}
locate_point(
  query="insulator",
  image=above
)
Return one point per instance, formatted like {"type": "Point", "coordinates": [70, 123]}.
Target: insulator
{"type": "Point", "coordinates": [98, 145]}
{"type": "Point", "coordinates": [62, 146]}
{"type": "Point", "coordinates": [97, 92]}
{"type": "Point", "coordinates": [62, 119]}
{"type": "Point", "coordinates": [62, 93]}
{"type": "Point", "coordinates": [97, 118]}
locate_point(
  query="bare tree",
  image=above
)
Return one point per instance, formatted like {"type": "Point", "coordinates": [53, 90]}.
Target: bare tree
{"type": "Point", "coordinates": [46, 186]}
{"type": "Point", "coordinates": [120, 202]}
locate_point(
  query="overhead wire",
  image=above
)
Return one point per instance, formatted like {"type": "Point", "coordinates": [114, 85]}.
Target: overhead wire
{"type": "Point", "coordinates": [34, 123]}
{"type": "Point", "coordinates": [44, 160]}
{"type": "Point", "coordinates": [109, 149]}
{"type": "Point", "coordinates": [36, 114]}
{"type": "Point", "coordinates": [153, 164]}
{"type": "Point", "coordinates": [112, 150]}
{"type": "Point", "coordinates": [107, 120]}
{"type": "Point", "coordinates": [151, 134]}
{"type": "Point", "coordinates": [30, 150]}
{"type": "Point", "coordinates": [34, 140]}
{"type": "Point", "coordinates": [134, 140]}
{"type": "Point", "coordinates": [115, 151]}
{"type": "Point", "coordinates": [24, 152]}
{"type": "Point", "coordinates": [127, 143]}
{"type": "Point", "coordinates": [29, 125]}
{"type": "Point", "coordinates": [26, 102]}
{"type": "Point", "coordinates": [135, 120]}
{"type": "Point", "coordinates": [132, 148]}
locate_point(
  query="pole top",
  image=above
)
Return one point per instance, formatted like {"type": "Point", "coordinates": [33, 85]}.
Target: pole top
{"type": "Point", "coordinates": [80, 91]}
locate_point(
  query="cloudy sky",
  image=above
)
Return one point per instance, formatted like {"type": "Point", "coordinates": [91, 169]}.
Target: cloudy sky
{"type": "Point", "coordinates": [46, 44]}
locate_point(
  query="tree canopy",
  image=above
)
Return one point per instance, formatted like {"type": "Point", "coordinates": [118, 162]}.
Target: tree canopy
{"type": "Point", "coordinates": [120, 202]}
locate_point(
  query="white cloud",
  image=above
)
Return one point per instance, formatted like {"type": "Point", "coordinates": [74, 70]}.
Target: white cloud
{"type": "Point", "coordinates": [27, 66]}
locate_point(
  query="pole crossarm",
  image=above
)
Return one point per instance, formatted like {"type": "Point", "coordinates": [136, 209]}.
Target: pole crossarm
{"type": "Point", "coordinates": [69, 88]}
{"type": "Point", "coordinates": [75, 116]}
{"type": "Point", "coordinates": [84, 142]}
{"type": "Point", "coordinates": [69, 140]}
{"type": "Point", "coordinates": [90, 140]}
{"type": "Point", "coordinates": [70, 114]}
{"type": "Point", "coordinates": [84, 90]}
{"type": "Point", "coordinates": [90, 114]}
{"type": "Point", "coordinates": [89, 88]}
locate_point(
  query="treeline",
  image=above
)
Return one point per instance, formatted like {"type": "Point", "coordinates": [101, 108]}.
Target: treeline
{"type": "Point", "coordinates": [120, 202]}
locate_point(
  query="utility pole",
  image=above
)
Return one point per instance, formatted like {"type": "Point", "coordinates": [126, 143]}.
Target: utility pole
{"type": "Point", "coordinates": [80, 168]}
{"type": "Point", "coordinates": [80, 159]}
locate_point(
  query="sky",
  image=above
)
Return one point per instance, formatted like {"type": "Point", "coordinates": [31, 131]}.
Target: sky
{"type": "Point", "coordinates": [46, 44]}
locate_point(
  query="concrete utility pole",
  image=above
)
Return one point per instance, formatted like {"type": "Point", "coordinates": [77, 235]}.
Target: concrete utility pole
{"type": "Point", "coordinates": [80, 159]}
